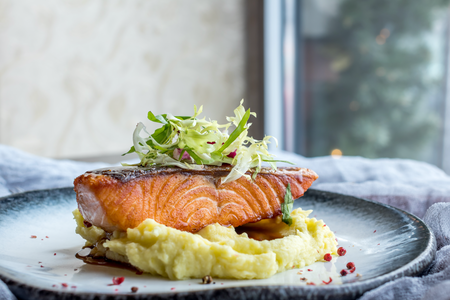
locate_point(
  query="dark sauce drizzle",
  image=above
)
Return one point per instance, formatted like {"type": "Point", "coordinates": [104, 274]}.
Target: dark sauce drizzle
{"type": "Point", "coordinates": [107, 263]}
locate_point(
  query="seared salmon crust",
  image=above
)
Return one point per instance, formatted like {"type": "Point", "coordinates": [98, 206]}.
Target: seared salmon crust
{"type": "Point", "coordinates": [188, 200]}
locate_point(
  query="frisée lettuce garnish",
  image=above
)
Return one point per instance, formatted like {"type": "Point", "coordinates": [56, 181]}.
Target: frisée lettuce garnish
{"type": "Point", "coordinates": [190, 143]}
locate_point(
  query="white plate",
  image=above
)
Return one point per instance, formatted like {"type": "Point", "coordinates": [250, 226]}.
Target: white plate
{"type": "Point", "coordinates": [383, 242]}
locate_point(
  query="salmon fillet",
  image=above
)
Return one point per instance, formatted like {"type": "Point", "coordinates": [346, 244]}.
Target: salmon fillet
{"type": "Point", "coordinates": [188, 200]}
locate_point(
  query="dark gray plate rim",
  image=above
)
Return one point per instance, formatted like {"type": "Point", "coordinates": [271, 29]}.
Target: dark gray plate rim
{"type": "Point", "coordinates": [346, 291]}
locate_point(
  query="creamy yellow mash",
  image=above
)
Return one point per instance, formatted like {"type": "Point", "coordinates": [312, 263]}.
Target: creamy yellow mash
{"type": "Point", "coordinates": [215, 250]}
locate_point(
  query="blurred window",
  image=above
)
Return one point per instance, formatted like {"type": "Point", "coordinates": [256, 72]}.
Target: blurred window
{"type": "Point", "coordinates": [371, 78]}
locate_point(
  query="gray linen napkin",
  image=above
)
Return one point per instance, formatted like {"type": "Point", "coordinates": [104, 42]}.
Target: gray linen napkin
{"type": "Point", "coordinates": [409, 185]}
{"type": "Point", "coordinates": [5, 293]}
{"type": "Point", "coordinates": [21, 171]}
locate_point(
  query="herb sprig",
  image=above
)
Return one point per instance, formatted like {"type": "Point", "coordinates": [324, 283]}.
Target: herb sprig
{"type": "Point", "coordinates": [287, 206]}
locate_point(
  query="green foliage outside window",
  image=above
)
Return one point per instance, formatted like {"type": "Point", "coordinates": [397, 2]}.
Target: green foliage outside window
{"type": "Point", "coordinates": [379, 104]}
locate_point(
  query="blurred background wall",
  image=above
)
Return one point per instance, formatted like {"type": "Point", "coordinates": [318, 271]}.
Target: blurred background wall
{"type": "Point", "coordinates": [343, 77]}
{"type": "Point", "coordinates": [76, 76]}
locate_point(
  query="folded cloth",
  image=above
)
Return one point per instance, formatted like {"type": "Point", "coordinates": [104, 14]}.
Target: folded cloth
{"type": "Point", "coordinates": [21, 171]}
{"type": "Point", "coordinates": [5, 293]}
{"type": "Point", "coordinates": [410, 185]}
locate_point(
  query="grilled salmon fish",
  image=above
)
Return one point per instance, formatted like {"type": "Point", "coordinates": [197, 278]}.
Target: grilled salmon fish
{"type": "Point", "coordinates": [188, 200]}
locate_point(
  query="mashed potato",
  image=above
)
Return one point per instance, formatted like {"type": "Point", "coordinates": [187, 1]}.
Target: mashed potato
{"type": "Point", "coordinates": [215, 250]}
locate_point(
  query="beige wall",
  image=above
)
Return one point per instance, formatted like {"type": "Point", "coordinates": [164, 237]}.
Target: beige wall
{"type": "Point", "coordinates": [76, 76]}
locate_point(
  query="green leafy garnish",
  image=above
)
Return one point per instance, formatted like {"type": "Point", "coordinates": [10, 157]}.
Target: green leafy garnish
{"type": "Point", "coordinates": [206, 142]}
{"type": "Point", "coordinates": [196, 158]}
{"type": "Point", "coordinates": [234, 135]}
{"type": "Point", "coordinates": [287, 206]}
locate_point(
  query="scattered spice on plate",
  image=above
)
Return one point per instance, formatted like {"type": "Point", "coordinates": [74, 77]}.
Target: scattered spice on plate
{"type": "Point", "coordinates": [327, 257]}
{"type": "Point", "coordinates": [350, 265]}
{"type": "Point", "coordinates": [303, 278]}
{"type": "Point", "coordinates": [134, 289]}
{"type": "Point", "coordinates": [374, 231]}
{"type": "Point", "coordinates": [33, 236]}
{"type": "Point", "coordinates": [341, 251]}
{"type": "Point", "coordinates": [327, 282]}
{"type": "Point", "coordinates": [117, 280]}
{"type": "Point", "coordinates": [172, 289]}
{"type": "Point", "coordinates": [64, 285]}
{"type": "Point", "coordinates": [344, 272]}
{"type": "Point", "coordinates": [207, 279]}
{"type": "Point", "coordinates": [309, 270]}
{"type": "Point", "coordinates": [310, 283]}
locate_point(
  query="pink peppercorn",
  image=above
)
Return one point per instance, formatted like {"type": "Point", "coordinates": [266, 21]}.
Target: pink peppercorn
{"type": "Point", "coordinates": [341, 251]}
